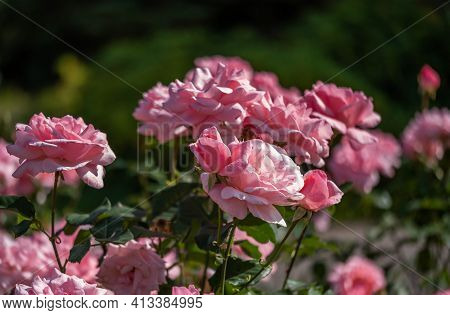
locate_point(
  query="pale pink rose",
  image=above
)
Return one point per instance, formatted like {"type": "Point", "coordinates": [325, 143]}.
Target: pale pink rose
{"type": "Point", "coordinates": [133, 268]}
{"type": "Point", "coordinates": [291, 126]}
{"type": "Point", "coordinates": [358, 276]}
{"type": "Point", "coordinates": [212, 99]}
{"type": "Point", "coordinates": [190, 290]}
{"type": "Point", "coordinates": [8, 184]}
{"type": "Point", "coordinates": [428, 135]}
{"type": "Point", "coordinates": [264, 248]}
{"type": "Point", "coordinates": [363, 167]}
{"type": "Point", "coordinates": [233, 63]}
{"type": "Point", "coordinates": [20, 261]}
{"type": "Point", "coordinates": [47, 145]}
{"type": "Point", "coordinates": [348, 111]}
{"type": "Point", "coordinates": [429, 80]}
{"type": "Point", "coordinates": [210, 151]}
{"type": "Point", "coordinates": [258, 176]}
{"type": "Point", "coordinates": [268, 81]}
{"type": "Point", "coordinates": [58, 283]}
{"type": "Point", "coordinates": [156, 120]}
{"type": "Point", "coordinates": [319, 191]}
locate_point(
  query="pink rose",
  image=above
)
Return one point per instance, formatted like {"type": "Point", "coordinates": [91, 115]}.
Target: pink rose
{"type": "Point", "coordinates": [20, 261]}
{"type": "Point", "coordinates": [212, 99]}
{"type": "Point", "coordinates": [291, 126]}
{"type": "Point", "coordinates": [48, 145]}
{"type": "Point", "coordinates": [8, 184]}
{"type": "Point", "coordinates": [362, 167]}
{"type": "Point", "coordinates": [133, 268]}
{"type": "Point", "coordinates": [59, 284]}
{"type": "Point", "coordinates": [268, 81]}
{"type": "Point", "coordinates": [156, 120]}
{"type": "Point", "coordinates": [319, 192]}
{"type": "Point", "coordinates": [258, 175]}
{"type": "Point", "coordinates": [429, 80]}
{"type": "Point", "coordinates": [428, 135]}
{"type": "Point", "coordinates": [233, 63]}
{"type": "Point", "coordinates": [358, 276]}
{"type": "Point", "coordinates": [210, 151]}
{"type": "Point", "coordinates": [190, 290]}
{"type": "Point", "coordinates": [347, 111]}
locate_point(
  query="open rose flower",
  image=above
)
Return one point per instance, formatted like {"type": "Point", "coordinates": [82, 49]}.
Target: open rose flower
{"type": "Point", "coordinates": [48, 145]}
{"type": "Point", "coordinates": [133, 268]}
{"type": "Point", "coordinates": [319, 191]}
{"type": "Point", "coordinates": [190, 290]}
{"type": "Point", "coordinates": [156, 120]}
{"type": "Point", "coordinates": [212, 99]}
{"type": "Point", "coordinates": [363, 167]}
{"type": "Point", "coordinates": [348, 111]}
{"type": "Point", "coordinates": [268, 81]}
{"type": "Point", "coordinates": [428, 135]}
{"type": "Point", "coordinates": [358, 276]}
{"type": "Point", "coordinates": [8, 184]}
{"type": "Point", "coordinates": [58, 283]}
{"type": "Point", "coordinates": [20, 261]}
{"type": "Point", "coordinates": [233, 63]}
{"type": "Point", "coordinates": [291, 126]}
{"type": "Point", "coordinates": [257, 176]}
{"type": "Point", "coordinates": [429, 80]}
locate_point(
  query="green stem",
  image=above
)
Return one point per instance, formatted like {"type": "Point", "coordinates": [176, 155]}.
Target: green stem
{"type": "Point", "coordinates": [219, 225]}
{"type": "Point", "coordinates": [276, 251]}
{"type": "Point", "coordinates": [53, 235]}
{"type": "Point", "coordinates": [227, 255]}
{"type": "Point", "coordinates": [294, 255]}
{"type": "Point", "coordinates": [425, 100]}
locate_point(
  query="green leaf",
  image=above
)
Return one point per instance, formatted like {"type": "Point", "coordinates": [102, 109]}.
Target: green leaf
{"type": "Point", "coordinates": [81, 246]}
{"type": "Point", "coordinates": [250, 249]}
{"type": "Point", "coordinates": [168, 197]}
{"type": "Point", "coordinates": [19, 204]}
{"type": "Point", "coordinates": [78, 219]}
{"type": "Point", "coordinates": [21, 228]}
{"type": "Point", "coordinates": [239, 273]}
{"type": "Point", "coordinates": [261, 232]}
{"type": "Point", "coordinates": [111, 230]}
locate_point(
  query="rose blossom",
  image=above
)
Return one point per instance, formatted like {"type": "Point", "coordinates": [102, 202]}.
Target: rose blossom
{"type": "Point", "coordinates": [268, 81]}
{"type": "Point", "coordinates": [362, 167]}
{"type": "Point", "coordinates": [233, 63]}
{"type": "Point", "coordinates": [346, 110]}
{"type": "Point", "coordinates": [156, 120]}
{"type": "Point", "coordinates": [58, 283]}
{"type": "Point", "coordinates": [48, 145]}
{"type": "Point", "coordinates": [190, 290]}
{"type": "Point", "coordinates": [256, 177]}
{"type": "Point", "coordinates": [133, 268]}
{"type": "Point", "coordinates": [319, 192]}
{"type": "Point", "coordinates": [8, 184]}
{"type": "Point", "coordinates": [429, 80]}
{"type": "Point", "coordinates": [428, 135]}
{"type": "Point", "coordinates": [358, 276]}
{"type": "Point", "coordinates": [19, 261]}
{"type": "Point", "coordinates": [212, 99]}
{"type": "Point", "coordinates": [291, 126]}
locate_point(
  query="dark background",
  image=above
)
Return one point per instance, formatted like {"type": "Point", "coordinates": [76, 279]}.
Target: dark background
{"type": "Point", "coordinates": [144, 42]}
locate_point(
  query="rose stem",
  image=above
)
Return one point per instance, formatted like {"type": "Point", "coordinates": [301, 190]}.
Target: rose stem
{"type": "Point", "coordinates": [205, 273]}
{"type": "Point", "coordinates": [53, 235]}
{"type": "Point", "coordinates": [227, 255]}
{"type": "Point", "coordinates": [276, 251]}
{"type": "Point", "coordinates": [297, 248]}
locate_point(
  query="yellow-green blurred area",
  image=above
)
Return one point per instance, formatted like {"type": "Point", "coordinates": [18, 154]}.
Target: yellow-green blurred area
{"type": "Point", "coordinates": [133, 44]}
